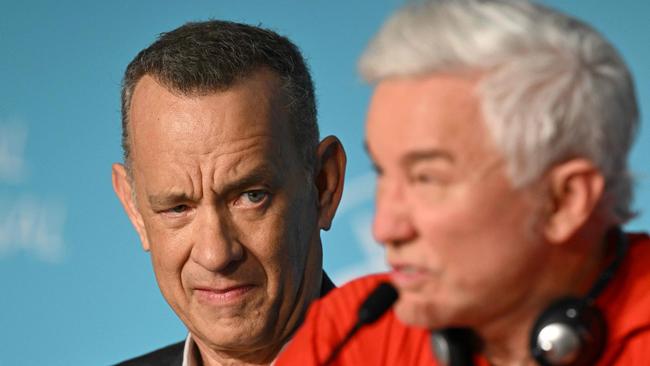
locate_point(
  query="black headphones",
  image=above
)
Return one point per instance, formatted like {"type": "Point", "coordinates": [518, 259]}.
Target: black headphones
{"type": "Point", "coordinates": [570, 332]}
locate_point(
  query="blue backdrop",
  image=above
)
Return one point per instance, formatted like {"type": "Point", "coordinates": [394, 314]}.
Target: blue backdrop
{"type": "Point", "coordinates": [75, 286]}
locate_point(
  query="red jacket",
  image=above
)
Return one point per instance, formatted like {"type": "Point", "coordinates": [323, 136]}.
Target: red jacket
{"type": "Point", "coordinates": [625, 304]}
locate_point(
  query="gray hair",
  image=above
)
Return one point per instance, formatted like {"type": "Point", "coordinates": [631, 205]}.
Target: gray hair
{"type": "Point", "coordinates": [552, 88]}
{"type": "Point", "coordinates": [203, 57]}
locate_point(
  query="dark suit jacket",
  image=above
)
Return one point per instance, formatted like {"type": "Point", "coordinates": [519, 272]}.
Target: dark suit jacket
{"type": "Point", "coordinates": [172, 355]}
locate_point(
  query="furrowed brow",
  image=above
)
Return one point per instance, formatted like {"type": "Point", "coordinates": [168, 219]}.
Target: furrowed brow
{"type": "Point", "coordinates": [257, 176]}
{"type": "Point", "coordinates": [166, 200]}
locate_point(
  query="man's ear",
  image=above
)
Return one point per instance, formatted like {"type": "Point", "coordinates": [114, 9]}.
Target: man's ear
{"type": "Point", "coordinates": [124, 191]}
{"type": "Point", "coordinates": [576, 188]}
{"type": "Point", "coordinates": [329, 179]}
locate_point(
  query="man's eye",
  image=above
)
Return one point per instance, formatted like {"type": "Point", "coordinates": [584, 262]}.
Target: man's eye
{"type": "Point", "coordinates": [425, 178]}
{"type": "Point", "coordinates": [428, 177]}
{"type": "Point", "coordinates": [178, 209]}
{"type": "Point", "coordinates": [252, 199]}
{"type": "Point", "coordinates": [255, 196]}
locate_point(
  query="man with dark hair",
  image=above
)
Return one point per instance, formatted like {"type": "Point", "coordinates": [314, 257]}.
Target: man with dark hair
{"type": "Point", "coordinates": [228, 187]}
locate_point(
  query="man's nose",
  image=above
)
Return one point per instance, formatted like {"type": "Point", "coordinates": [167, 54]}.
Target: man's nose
{"type": "Point", "coordinates": [392, 224]}
{"type": "Point", "coordinates": [215, 246]}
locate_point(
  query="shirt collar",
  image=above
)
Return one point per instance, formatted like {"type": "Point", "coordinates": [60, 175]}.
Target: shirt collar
{"type": "Point", "coordinates": [190, 352]}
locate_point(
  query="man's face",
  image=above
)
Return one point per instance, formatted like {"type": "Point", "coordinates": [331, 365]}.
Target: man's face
{"type": "Point", "coordinates": [224, 205]}
{"type": "Point", "coordinates": [459, 237]}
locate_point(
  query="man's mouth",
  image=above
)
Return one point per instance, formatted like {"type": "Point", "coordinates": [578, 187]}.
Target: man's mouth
{"type": "Point", "coordinates": [223, 295]}
{"type": "Point", "coordinates": [408, 277]}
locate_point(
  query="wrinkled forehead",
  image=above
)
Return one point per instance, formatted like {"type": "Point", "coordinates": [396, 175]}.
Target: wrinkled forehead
{"type": "Point", "coordinates": [254, 106]}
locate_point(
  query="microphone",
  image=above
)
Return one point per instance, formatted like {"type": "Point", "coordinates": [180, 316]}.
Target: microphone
{"type": "Point", "coordinates": [375, 305]}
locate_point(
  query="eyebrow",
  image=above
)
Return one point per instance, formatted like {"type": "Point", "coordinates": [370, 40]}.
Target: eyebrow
{"type": "Point", "coordinates": [417, 156]}
{"type": "Point", "coordinates": [426, 155]}
{"type": "Point", "coordinates": [167, 199]}
{"type": "Point", "coordinates": [261, 174]}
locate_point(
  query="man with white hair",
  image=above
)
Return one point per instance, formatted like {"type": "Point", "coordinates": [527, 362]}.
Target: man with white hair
{"type": "Point", "coordinates": [500, 132]}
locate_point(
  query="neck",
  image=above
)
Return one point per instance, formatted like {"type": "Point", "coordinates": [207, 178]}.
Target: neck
{"type": "Point", "coordinates": [571, 270]}
{"type": "Point", "coordinates": [209, 357]}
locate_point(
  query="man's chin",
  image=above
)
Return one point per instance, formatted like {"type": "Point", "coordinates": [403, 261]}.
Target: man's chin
{"type": "Point", "coordinates": [231, 339]}
{"type": "Point", "coordinates": [418, 314]}
{"type": "Point", "coordinates": [226, 325]}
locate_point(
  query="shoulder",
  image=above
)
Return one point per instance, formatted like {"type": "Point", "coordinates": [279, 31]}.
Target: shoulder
{"type": "Point", "coordinates": [171, 355]}
{"type": "Point", "coordinates": [637, 271]}
{"type": "Point", "coordinates": [337, 311]}
{"type": "Point", "coordinates": [632, 350]}
{"type": "Point", "coordinates": [630, 287]}
{"type": "Point", "coordinates": [352, 293]}
{"type": "Point", "coordinates": [626, 305]}
{"type": "Point", "coordinates": [340, 305]}
{"type": "Point", "coordinates": [330, 318]}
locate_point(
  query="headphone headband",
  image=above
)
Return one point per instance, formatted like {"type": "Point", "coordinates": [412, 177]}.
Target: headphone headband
{"type": "Point", "coordinates": [622, 245]}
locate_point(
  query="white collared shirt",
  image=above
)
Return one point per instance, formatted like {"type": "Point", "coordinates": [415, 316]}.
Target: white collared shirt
{"type": "Point", "coordinates": [189, 357]}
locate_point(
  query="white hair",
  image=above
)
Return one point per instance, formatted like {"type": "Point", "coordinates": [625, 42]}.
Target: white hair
{"type": "Point", "coordinates": [552, 87]}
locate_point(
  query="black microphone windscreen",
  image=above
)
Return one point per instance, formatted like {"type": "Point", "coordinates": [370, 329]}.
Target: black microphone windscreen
{"type": "Point", "coordinates": [377, 303]}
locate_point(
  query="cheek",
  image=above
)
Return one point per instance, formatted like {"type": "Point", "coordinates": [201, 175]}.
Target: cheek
{"type": "Point", "coordinates": [448, 236]}
{"type": "Point", "coordinates": [169, 254]}
{"type": "Point", "coordinates": [477, 216]}
{"type": "Point", "coordinates": [476, 242]}
{"type": "Point", "coordinates": [301, 225]}
{"type": "Point", "coordinates": [271, 244]}
{"type": "Point", "coordinates": [265, 245]}
{"type": "Point", "coordinates": [295, 250]}
{"type": "Point", "coordinates": [481, 253]}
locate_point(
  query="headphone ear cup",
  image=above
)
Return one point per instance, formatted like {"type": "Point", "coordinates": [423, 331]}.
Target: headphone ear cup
{"type": "Point", "coordinates": [570, 332]}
